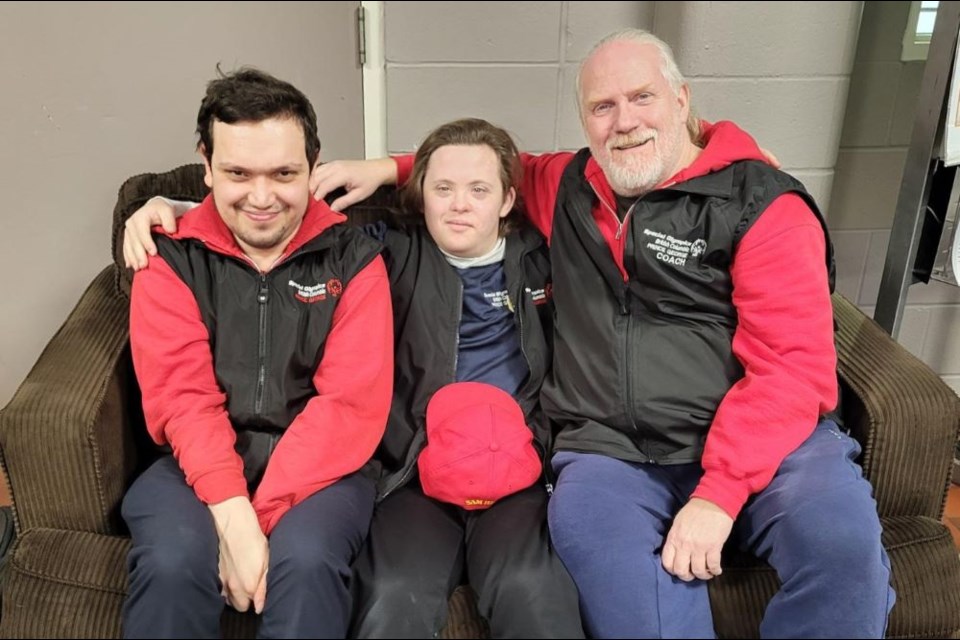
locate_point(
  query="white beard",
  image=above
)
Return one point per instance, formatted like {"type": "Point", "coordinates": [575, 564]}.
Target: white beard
{"type": "Point", "coordinates": [633, 176]}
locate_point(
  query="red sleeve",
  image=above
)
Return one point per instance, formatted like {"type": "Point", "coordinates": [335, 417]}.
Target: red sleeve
{"type": "Point", "coordinates": [404, 168]}
{"type": "Point", "coordinates": [541, 181]}
{"type": "Point", "coordinates": [784, 340]}
{"type": "Point", "coordinates": [182, 402]}
{"type": "Point", "coordinates": [339, 429]}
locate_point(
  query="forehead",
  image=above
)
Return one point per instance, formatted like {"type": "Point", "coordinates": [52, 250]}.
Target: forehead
{"type": "Point", "coordinates": [270, 142]}
{"type": "Point", "coordinates": [474, 162]}
{"type": "Point", "coordinates": [620, 66]}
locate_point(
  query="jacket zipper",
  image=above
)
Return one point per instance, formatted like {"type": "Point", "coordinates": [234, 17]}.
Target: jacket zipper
{"type": "Point", "coordinates": [459, 319]}
{"type": "Point", "coordinates": [613, 212]}
{"type": "Point", "coordinates": [624, 307]}
{"type": "Point", "coordinates": [263, 295]}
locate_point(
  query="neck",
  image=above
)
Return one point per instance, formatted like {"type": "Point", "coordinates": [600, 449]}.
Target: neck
{"type": "Point", "coordinates": [265, 259]}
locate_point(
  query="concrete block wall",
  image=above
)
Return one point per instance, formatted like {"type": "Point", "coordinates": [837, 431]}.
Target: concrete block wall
{"type": "Point", "coordinates": [511, 63]}
{"type": "Point", "coordinates": [873, 149]}
{"type": "Point", "coordinates": [780, 70]}
{"type": "Point", "coordinates": [515, 64]}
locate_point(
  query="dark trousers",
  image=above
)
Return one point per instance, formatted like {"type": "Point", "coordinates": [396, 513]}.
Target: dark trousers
{"type": "Point", "coordinates": [173, 563]}
{"type": "Point", "coordinates": [420, 549]}
{"type": "Point", "coordinates": [816, 524]}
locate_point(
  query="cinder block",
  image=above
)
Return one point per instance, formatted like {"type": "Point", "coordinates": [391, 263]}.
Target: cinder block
{"type": "Point", "coordinates": [570, 130]}
{"type": "Point", "coordinates": [799, 119]}
{"type": "Point", "coordinates": [942, 347]}
{"type": "Point", "coordinates": [588, 22]}
{"type": "Point", "coordinates": [913, 329]}
{"type": "Point", "coordinates": [866, 187]}
{"type": "Point", "coordinates": [873, 268]}
{"type": "Point", "coordinates": [818, 183]}
{"type": "Point", "coordinates": [850, 250]}
{"type": "Point", "coordinates": [521, 99]}
{"type": "Point", "coordinates": [870, 107]}
{"type": "Point", "coordinates": [472, 32]}
{"type": "Point", "coordinates": [710, 38]}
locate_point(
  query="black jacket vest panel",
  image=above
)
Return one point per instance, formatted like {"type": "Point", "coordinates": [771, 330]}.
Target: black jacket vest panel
{"type": "Point", "coordinates": [426, 330]}
{"type": "Point", "coordinates": [640, 367]}
{"type": "Point", "coordinates": [268, 331]}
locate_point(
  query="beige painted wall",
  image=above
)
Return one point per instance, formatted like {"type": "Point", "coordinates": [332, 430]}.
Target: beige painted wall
{"type": "Point", "coordinates": [94, 92]}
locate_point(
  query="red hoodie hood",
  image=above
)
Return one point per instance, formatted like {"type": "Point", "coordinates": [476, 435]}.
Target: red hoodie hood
{"type": "Point", "coordinates": [726, 143]}
{"type": "Point", "coordinates": [204, 223]}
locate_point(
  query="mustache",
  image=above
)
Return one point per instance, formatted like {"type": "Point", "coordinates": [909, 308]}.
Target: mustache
{"type": "Point", "coordinates": [631, 139]}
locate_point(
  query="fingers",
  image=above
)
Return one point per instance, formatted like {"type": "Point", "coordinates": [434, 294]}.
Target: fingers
{"type": "Point", "coordinates": [134, 253]}
{"type": "Point", "coordinates": [675, 560]}
{"type": "Point", "coordinates": [260, 595]}
{"type": "Point", "coordinates": [327, 178]}
{"type": "Point", "coordinates": [236, 596]}
{"type": "Point", "coordinates": [698, 566]}
{"type": "Point", "coordinates": [168, 221]}
{"type": "Point", "coordinates": [344, 201]}
{"type": "Point", "coordinates": [713, 562]}
{"type": "Point", "coordinates": [770, 158]}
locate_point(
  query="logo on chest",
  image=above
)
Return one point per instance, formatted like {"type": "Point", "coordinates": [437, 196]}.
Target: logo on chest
{"type": "Point", "coordinates": [670, 250]}
{"type": "Point", "coordinates": [312, 293]}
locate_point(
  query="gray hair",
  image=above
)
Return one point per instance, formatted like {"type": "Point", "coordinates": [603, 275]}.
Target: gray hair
{"type": "Point", "coordinates": [668, 67]}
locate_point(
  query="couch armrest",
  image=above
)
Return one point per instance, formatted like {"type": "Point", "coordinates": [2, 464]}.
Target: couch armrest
{"type": "Point", "coordinates": [66, 437]}
{"type": "Point", "coordinates": [906, 418]}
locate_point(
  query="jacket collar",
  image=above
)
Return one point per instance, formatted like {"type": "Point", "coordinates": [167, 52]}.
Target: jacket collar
{"type": "Point", "coordinates": [204, 223]}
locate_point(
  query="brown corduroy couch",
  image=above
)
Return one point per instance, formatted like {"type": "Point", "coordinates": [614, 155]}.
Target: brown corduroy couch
{"type": "Point", "coordinates": [72, 439]}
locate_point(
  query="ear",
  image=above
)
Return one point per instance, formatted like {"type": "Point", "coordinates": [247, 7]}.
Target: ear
{"type": "Point", "coordinates": [683, 100]}
{"type": "Point", "coordinates": [509, 198]}
{"type": "Point", "coordinates": [314, 180]}
{"type": "Point", "coordinates": [207, 169]}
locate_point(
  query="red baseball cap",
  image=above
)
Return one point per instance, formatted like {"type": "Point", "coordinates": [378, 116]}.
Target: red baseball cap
{"type": "Point", "coordinates": [479, 447]}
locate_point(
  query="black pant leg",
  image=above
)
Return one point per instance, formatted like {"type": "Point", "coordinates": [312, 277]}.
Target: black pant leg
{"type": "Point", "coordinates": [523, 589]}
{"type": "Point", "coordinates": [410, 564]}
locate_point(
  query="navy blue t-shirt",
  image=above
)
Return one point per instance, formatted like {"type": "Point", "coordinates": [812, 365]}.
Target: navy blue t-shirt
{"type": "Point", "coordinates": [489, 349]}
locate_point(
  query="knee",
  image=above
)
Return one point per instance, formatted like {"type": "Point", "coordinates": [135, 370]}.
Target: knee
{"type": "Point", "coordinates": [191, 558]}
{"type": "Point", "coordinates": [307, 560]}
{"type": "Point", "coordinates": [836, 542]}
{"type": "Point", "coordinates": [391, 592]}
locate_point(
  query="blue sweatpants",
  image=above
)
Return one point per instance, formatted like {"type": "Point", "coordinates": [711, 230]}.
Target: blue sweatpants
{"type": "Point", "coordinates": [816, 524]}
{"type": "Point", "coordinates": [173, 563]}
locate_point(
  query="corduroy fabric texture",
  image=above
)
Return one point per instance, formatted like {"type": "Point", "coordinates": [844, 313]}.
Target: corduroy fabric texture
{"type": "Point", "coordinates": [72, 440]}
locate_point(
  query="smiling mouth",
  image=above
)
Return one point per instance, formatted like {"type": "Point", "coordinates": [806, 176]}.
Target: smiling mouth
{"type": "Point", "coordinates": [633, 145]}
{"type": "Point", "coordinates": [261, 216]}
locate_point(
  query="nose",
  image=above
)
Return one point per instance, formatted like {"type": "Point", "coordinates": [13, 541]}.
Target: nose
{"type": "Point", "coordinates": [261, 193]}
{"type": "Point", "coordinates": [628, 118]}
{"type": "Point", "coordinates": [461, 200]}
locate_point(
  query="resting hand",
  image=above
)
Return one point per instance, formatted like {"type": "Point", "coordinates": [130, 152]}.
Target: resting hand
{"type": "Point", "coordinates": [692, 547]}
{"type": "Point", "coordinates": [359, 177]}
{"type": "Point", "coordinates": [137, 241]}
{"type": "Point", "coordinates": [244, 553]}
